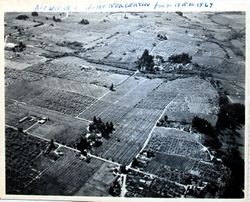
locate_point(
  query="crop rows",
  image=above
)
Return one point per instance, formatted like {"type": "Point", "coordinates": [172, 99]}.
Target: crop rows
{"type": "Point", "coordinates": [66, 176]}
{"type": "Point", "coordinates": [161, 161]}
{"type": "Point", "coordinates": [105, 108]}
{"type": "Point", "coordinates": [106, 111]}
{"type": "Point", "coordinates": [89, 90]}
{"type": "Point", "coordinates": [75, 72]}
{"type": "Point", "coordinates": [167, 188]}
{"type": "Point", "coordinates": [176, 142]}
{"type": "Point", "coordinates": [117, 104]}
{"type": "Point", "coordinates": [158, 98]}
{"type": "Point", "coordinates": [180, 147]}
{"type": "Point", "coordinates": [62, 101]}
{"type": "Point", "coordinates": [141, 185]}
{"type": "Point", "coordinates": [141, 91]}
{"type": "Point", "coordinates": [131, 133]}
{"type": "Point", "coordinates": [21, 150]}
{"type": "Point", "coordinates": [13, 76]}
{"type": "Point", "coordinates": [195, 96]}
{"type": "Point", "coordinates": [209, 171]}
{"type": "Point", "coordinates": [128, 85]}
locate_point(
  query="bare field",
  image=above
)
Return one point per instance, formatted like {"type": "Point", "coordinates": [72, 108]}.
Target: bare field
{"type": "Point", "coordinates": [24, 91]}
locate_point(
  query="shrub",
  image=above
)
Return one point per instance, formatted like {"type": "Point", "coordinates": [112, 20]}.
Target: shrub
{"type": "Point", "coordinates": [146, 61]}
{"type": "Point", "coordinates": [84, 22]}
{"type": "Point", "coordinates": [34, 14]}
{"type": "Point", "coordinates": [181, 58]}
{"type": "Point", "coordinates": [22, 17]}
{"type": "Point", "coordinates": [56, 19]}
{"type": "Point", "coordinates": [179, 13]}
{"type": "Point", "coordinates": [19, 48]}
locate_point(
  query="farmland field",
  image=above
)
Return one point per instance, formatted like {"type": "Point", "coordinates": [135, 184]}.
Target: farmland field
{"type": "Point", "coordinates": [22, 151]}
{"type": "Point", "coordinates": [76, 72]}
{"type": "Point", "coordinates": [172, 141]}
{"type": "Point", "coordinates": [133, 104]}
{"type": "Point", "coordinates": [58, 127]}
{"type": "Point", "coordinates": [195, 96]}
{"type": "Point", "coordinates": [73, 170]}
{"type": "Point", "coordinates": [60, 101]}
{"type": "Point", "coordinates": [132, 131]}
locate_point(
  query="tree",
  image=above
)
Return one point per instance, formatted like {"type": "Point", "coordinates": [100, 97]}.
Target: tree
{"type": "Point", "coordinates": [183, 58]}
{"type": "Point", "coordinates": [146, 61]}
{"type": "Point", "coordinates": [20, 130]}
{"type": "Point", "coordinates": [52, 145]}
{"type": "Point", "coordinates": [22, 17]}
{"type": "Point", "coordinates": [108, 127]}
{"type": "Point", "coordinates": [34, 14]}
{"type": "Point", "coordinates": [203, 126]}
{"type": "Point", "coordinates": [223, 99]}
{"type": "Point", "coordinates": [123, 169]}
{"type": "Point", "coordinates": [165, 118]}
{"type": "Point", "coordinates": [111, 87]}
{"type": "Point", "coordinates": [235, 188]}
{"type": "Point", "coordinates": [83, 144]}
{"type": "Point", "coordinates": [135, 162]}
{"type": "Point", "coordinates": [95, 119]}
{"type": "Point", "coordinates": [111, 125]}
{"type": "Point", "coordinates": [56, 19]}
{"type": "Point", "coordinates": [98, 143]}
{"type": "Point", "coordinates": [84, 22]}
{"type": "Point", "coordinates": [231, 116]}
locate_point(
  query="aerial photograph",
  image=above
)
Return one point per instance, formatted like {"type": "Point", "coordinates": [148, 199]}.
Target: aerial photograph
{"type": "Point", "coordinates": [125, 104]}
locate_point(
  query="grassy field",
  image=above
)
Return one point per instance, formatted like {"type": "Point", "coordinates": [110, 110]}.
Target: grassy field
{"type": "Point", "coordinates": [195, 97]}
{"type": "Point", "coordinates": [77, 72]}
{"type": "Point", "coordinates": [60, 127]}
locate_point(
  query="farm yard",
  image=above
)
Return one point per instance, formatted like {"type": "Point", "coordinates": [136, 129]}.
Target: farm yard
{"type": "Point", "coordinates": [105, 104]}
